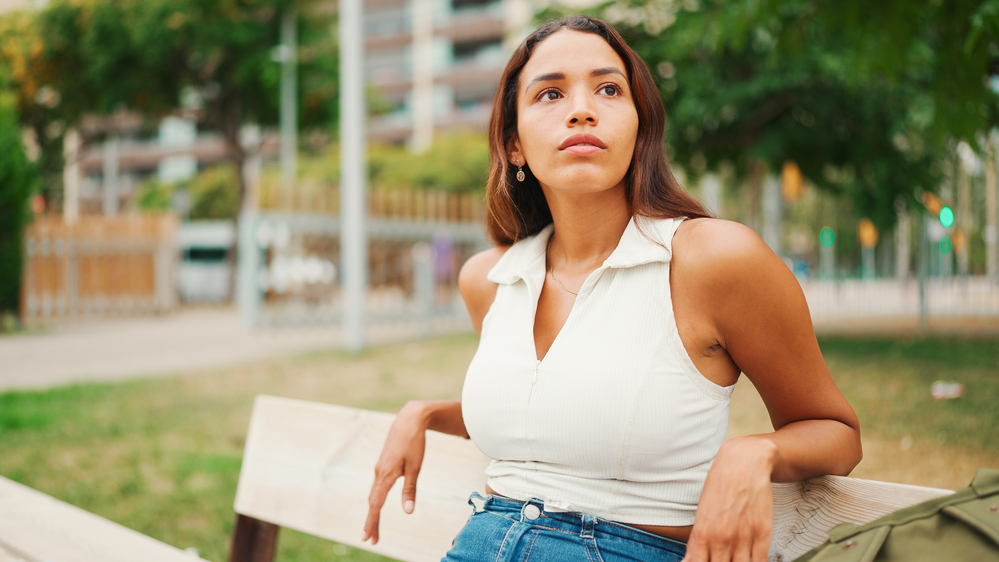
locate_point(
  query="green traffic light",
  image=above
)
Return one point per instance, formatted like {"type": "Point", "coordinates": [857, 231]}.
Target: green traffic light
{"type": "Point", "coordinates": [946, 245]}
{"type": "Point", "coordinates": [946, 216]}
{"type": "Point", "coordinates": [827, 237]}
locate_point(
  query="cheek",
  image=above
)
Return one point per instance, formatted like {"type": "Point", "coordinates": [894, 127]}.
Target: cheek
{"type": "Point", "coordinates": [632, 133]}
{"type": "Point", "coordinates": [530, 131]}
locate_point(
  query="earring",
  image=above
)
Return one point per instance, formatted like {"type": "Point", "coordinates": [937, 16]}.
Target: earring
{"type": "Point", "coordinates": [520, 170]}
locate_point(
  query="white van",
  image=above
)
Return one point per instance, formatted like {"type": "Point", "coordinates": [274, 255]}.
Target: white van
{"type": "Point", "coordinates": [204, 274]}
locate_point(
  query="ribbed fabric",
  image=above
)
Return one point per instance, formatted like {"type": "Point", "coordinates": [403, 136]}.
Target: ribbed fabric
{"type": "Point", "coordinates": [616, 420]}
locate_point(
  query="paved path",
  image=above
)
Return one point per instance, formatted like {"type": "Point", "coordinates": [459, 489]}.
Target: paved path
{"type": "Point", "coordinates": [157, 346]}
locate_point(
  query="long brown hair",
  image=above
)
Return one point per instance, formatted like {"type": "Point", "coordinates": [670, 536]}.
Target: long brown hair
{"type": "Point", "coordinates": [516, 210]}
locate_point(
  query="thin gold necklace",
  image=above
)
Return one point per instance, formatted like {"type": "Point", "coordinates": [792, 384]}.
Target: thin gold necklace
{"type": "Point", "coordinates": [548, 259]}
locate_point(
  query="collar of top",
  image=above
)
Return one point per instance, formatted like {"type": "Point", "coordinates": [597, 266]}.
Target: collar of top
{"type": "Point", "coordinates": [636, 247]}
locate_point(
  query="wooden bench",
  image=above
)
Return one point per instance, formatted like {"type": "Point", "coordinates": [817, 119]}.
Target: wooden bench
{"type": "Point", "coordinates": [310, 466]}
{"type": "Point", "coordinates": [35, 527]}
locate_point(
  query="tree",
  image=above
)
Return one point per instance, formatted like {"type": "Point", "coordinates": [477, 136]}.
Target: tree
{"type": "Point", "coordinates": [145, 55]}
{"type": "Point", "coordinates": [17, 183]}
{"type": "Point", "coordinates": [863, 99]}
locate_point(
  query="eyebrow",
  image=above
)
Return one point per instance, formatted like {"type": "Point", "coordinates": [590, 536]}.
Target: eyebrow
{"type": "Point", "coordinates": [560, 76]}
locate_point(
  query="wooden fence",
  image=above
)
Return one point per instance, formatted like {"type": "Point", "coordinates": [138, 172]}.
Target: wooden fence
{"type": "Point", "coordinates": [98, 267]}
{"type": "Point", "coordinates": [412, 204]}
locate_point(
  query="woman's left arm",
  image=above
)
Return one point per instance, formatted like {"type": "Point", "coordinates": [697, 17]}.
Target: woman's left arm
{"type": "Point", "coordinates": [759, 315]}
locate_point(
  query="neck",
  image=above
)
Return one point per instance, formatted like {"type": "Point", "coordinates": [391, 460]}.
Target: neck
{"type": "Point", "coordinates": [588, 227]}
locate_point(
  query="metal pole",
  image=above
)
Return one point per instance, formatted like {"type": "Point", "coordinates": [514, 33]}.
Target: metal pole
{"type": "Point", "coordinates": [289, 99]}
{"type": "Point", "coordinates": [827, 262]}
{"type": "Point", "coordinates": [110, 154]}
{"type": "Point", "coordinates": [772, 212]}
{"type": "Point", "coordinates": [353, 158]}
{"type": "Point", "coordinates": [248, 266]}
{"type": "Point", "coordinates": [924, 257]}
{"type": "Point", "coordinates": [867, 263]}
{"type": "Point", "coordinates": [423, 281]}
{"type": "Point", "coordinates": [711, 193]}
{"type": "Point", "coordinates": [423, 75]}
{"type": "Point", "coordinates": [71, 177]}
{"type": "Point", "coordinates": [991, 209]}
{"type": "Point", "coordinates": [902, 242]}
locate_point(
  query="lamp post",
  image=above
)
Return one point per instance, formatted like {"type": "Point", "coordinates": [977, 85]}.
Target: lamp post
{"type": "Point", "coordinates": [353, 156]}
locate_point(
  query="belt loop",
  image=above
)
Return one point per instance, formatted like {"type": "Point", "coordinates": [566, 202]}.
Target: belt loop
{"type": "Point", "coordinates": [589, 522]}
{"type": "Point", "coordinates": [475, 508]}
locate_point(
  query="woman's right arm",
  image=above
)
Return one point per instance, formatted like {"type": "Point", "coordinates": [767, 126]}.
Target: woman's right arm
{"type": "Point", "coordinates": [402, 455]}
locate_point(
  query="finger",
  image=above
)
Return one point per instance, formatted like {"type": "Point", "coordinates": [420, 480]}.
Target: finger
{"type": "Point", "coordinates": [371, 526]}
{"type": "Point", "coordinates": [696, 550]}
{"type": "Point", "coordinates": [720, 546]}
{"type": "Point", "coordinates": [742, 553]}
{"type": "Point", "coordinates": [409, 487]}
{"type": "Point", "coordinates": [376, 499]}
{"type": "Point", "coordinates": [761, 546]}
{"type": "Point", "coordinates": [742, 548]}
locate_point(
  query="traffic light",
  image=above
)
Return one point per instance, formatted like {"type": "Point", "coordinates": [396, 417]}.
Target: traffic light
{"type": "Point", "coordinates": [792, 183]}
{"type": "Point", "coordinates": [946, 245]}
{"type": "Point", "coordinates": [827, 237]}
{"type": "Point", "coordinates": [868, 233]}
{"type": "Point", "coordinates": [946, 216]}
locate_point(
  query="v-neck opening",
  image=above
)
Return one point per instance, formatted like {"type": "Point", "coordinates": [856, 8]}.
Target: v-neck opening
{"type": "Point", "coordinates": [572, 311]}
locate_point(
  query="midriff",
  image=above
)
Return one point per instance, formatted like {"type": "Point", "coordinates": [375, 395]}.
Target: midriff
{"type": "Point", "coordinates": [681, 534]}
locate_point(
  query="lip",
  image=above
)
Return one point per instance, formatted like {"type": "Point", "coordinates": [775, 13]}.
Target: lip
{"type": "Point", "coordinates": [582, 139]}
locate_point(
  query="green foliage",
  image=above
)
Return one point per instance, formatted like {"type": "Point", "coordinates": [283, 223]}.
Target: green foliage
{"type": "Point", "coordinates": [213, 194]}
{"type": "Point", "coordinates": [17, 183]}
{"type": "Point", "coordinates": [864, 100]}
{"type": "Point", "coordinates": [155, 196]}
{"type": "Point", "coordinates": [144, 54]}
{"type": "Point", "coordinates": [457, 162]}
{"type": "Point", "coordinates": [100, 56]}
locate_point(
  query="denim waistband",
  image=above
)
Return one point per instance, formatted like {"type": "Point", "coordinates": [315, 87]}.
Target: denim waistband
{"type": "Point", "coordinates": [567, 521]}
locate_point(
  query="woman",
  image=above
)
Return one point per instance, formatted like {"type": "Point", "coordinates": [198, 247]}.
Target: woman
{"type": "Point", "coordinates": [607, 427]}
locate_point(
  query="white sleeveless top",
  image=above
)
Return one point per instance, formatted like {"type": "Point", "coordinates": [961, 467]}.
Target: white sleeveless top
{"type": "Point", "coordinates": [616, 421]}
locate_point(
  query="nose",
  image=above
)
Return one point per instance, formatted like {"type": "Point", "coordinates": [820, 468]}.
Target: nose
{"type": "Point", "coordinates": [582, 109]}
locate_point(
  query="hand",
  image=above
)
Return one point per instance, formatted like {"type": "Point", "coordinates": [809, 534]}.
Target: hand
{"type": "Point", "coordinates": [402, 456]}
{"type": "Point", "coordinates": [734, 520]}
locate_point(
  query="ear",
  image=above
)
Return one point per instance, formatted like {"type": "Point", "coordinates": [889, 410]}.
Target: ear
{"type": "Point", "coordinates": [514, 152]}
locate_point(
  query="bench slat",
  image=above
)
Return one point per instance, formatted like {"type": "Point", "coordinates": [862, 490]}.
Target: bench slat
{"type": "Point", "coordinates": [805, 511]}
{"type": "Point", "coordinates": [39, 528]}
{"type": "Point", "coordinates": [8, 557]}
{"type": "Point", "coordinates": [309, 467]}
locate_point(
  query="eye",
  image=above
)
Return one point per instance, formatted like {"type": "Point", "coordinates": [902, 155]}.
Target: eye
{"type": "Point", "coordinates": [610, 90]}
{"type": "Point", "coordinates": [549, 95]}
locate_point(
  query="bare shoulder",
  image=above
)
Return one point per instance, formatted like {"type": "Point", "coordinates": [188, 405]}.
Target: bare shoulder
{"type": "Point", "coordinates": [709, 240]}
{"type": "Point", "coordinates": [724, 252]}
{"type": "Point", "coordinates": [478, 291]}
{"type": "Point", "coordinates": [731, 266]}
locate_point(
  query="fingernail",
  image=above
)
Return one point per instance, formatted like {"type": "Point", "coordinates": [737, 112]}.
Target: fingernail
{"type": "Point", "coordinates": [408, 506]}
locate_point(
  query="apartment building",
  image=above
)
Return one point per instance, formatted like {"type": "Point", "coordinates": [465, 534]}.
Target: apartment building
{"type": "Point", "coordinates": [437, 63]}
{"type": "Point", "coordinates": [434, 64]}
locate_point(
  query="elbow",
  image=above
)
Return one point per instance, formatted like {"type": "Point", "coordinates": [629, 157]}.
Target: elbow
{"type": "Point", "coordinates": [853, 453]}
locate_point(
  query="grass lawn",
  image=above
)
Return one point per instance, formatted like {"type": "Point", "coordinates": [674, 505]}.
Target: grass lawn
{"type": "Point", "coordinates": [162, 456]}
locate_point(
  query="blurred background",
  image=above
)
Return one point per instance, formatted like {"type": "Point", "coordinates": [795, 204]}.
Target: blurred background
{"type": "Point", "coordinates": [170, 204]}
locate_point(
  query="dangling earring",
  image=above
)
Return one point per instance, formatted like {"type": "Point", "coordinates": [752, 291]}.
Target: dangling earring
{"type": "Point", "coordinates": [520, 170]}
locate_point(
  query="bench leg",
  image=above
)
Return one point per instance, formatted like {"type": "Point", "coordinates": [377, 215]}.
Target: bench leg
{"type": "Point", "coordinates": [253, 540]}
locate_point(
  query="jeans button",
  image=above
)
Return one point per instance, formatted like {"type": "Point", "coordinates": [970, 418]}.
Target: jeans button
{"type": "Point", "coordinates": [532, 512]}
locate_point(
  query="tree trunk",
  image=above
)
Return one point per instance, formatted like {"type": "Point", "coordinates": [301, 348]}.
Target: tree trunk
{"type": "Point", "coordinates": [227, 115]}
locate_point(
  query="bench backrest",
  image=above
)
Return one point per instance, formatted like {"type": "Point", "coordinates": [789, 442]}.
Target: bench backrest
{"type": "Point", "coordinates": [309, 467]}
{"type": "Point", "coordinates": [35, 527]}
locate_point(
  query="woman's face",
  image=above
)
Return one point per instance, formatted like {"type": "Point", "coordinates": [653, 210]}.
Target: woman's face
{"type": "Point", "coordinates": [576, 118]}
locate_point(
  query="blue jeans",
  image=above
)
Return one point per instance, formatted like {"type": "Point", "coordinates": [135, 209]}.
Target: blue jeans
{"type": "Point", "coordinates": [507, 530]}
